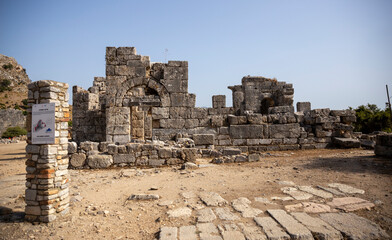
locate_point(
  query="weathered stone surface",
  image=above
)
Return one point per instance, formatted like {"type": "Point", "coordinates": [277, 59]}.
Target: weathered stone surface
{"type": "Point", "coordinates": [143, 197]}
{"type": "Point", "coordinates": [242, 205]}
{"type": "Point", "coordinates": [255, 157]}
{"type": "Point", "coordinates": [271, 228]}
{"type": "Point", "coordinates": [188, 195]}
{"type": "Point", "coordinates": [205, 215]}
{"type": "Point", "coordinates": [346, 142]}
{"type": "Point", "coordinates": [72, 147]}
{"type": "Point", "coordinates": [346, 188]}
{"type": "Point", "coordinates": [303, 106]}
{"type": "Point", "coordinates": [233, 235]}
{"type": "Point", "coordinates": [204, 139]}
{"type": "Point", "coordinates": [180, 212]}
{"type": "Point", "coordinates": [77, 160]}
{"type": "Point", "coordinates": [212, 199]}
{"type": "Point", "coordinates": [319, 228]}
{"type": "Point", "coordinates": [316, 192]}
{"type": "Point", "coordinates": [123, 158]}
{"type": "Point", "coordinates": [297, 195]}
{"type": "Point", "coordinates": [353, 226]}
{"type": "Point", "coordinates": [246, 131]}
{"type": "Point", "coordinates": [308, 207]}
{"type": "Point", "coordinates": [252, 232]}
{"type": "Point", "coordinates": [168, 233]}
{"type": "Point", "coordinates": [99, 161]}
{"type": "Point", "coordinates": [231, 151]}
{"type": "Point", "coordinates": [208, 231]}
{"type": "Point", "coordinates": [225, 214]}
{"type": "Point", "coordinates": [331, 190]}
{"type": "Point", "coordinates": [350, 204]}
{"type": "Point", "coordinates": [188, 233]}
{"type": "Point", "coordinates": [294, 228]}
{"type": "Point", "coordinates": [284, 130]}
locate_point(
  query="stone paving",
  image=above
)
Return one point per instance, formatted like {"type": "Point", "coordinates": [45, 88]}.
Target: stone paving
{"type": "Point", "coordinates": [219, 219]}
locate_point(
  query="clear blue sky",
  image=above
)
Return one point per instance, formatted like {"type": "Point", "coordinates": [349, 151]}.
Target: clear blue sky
{"type": "Point", "coordinates": [337, 53]}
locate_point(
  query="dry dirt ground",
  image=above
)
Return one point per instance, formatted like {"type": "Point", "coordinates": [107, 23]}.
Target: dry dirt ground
{"type": "Point", "coordinates": [100, 209]}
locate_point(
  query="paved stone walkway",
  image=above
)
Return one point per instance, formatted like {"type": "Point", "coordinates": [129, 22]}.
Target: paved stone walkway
{"type": "Point", "coordinates": [220, 220]}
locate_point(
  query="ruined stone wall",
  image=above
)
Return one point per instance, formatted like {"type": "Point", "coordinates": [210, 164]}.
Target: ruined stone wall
{"type": "Point", "coordinates": [140, 100]}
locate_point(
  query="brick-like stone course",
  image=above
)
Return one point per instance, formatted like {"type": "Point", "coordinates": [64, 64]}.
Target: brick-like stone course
{"type": "Point", "coordinates": [47, 179]}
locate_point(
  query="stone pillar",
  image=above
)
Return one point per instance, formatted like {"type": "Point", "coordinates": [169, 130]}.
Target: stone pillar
{"type": "Point", "coordinates": [219, 101]}
{"type": "Point", "coordinates": [47, 180]}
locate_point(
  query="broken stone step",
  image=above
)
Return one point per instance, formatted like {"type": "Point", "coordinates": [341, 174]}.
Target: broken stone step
{"type": "Point", "coordinates": [188, 233]}
{"type": "Point", "coordinates": [212, 199]}
{"type": "Point", "coordinates": [271, 228]}
{"type": "Point", "coordinates": [252, 232]}
{"type": "Point", "coordinates": [320, 229]}
{"type": "Point", "coordinates": [225, 214]}
{"type": "Point", "coordinates": [353, 226]}
{"type": "Point", "coordinates": [346, 188]}
{"type": "Point", "coordinates": [183, 212]}
{"type": "Point", "coordinates": [168, 233]}
{"type": "Point", "coordinates": [292, 226]}
{"type": "Point", "coordinates": [331, 190]}
{"type": "Point", "coordinates": [316, 192]}
{"type": "Point", "coordinates": [233, 235]}
{"type": "Point", "coordinates": [350, 204]}
{"type": "Point", "coordinates": [296, 194]}
{"type": "Point", "coordinates": [208, 231]}
{"type": "Point", "coordinates": [205, 215]}
{"type": "Point", "coordinates": [242, 205]}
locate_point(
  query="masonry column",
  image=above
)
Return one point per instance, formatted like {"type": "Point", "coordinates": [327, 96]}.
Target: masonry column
{"type": "Point", "coordinates": [47, 182]}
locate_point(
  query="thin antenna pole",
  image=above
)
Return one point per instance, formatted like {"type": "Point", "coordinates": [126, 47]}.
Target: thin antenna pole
{"type": "Point", "coordinates": [389, 102]}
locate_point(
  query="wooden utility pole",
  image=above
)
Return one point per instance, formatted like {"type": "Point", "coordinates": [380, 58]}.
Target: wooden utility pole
{"type": "Point", "coordinates": [389, 102]}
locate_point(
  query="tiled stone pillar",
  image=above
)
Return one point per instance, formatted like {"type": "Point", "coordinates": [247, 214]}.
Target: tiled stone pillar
{"type": "Point", "coordinates": [47, 182]}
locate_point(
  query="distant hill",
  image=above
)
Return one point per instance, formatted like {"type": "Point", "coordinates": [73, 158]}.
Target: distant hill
{"type": "Point", "coordinates": [13, 83]}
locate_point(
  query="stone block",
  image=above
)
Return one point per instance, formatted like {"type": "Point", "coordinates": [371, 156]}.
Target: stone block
{"type": "Point", "coordinates": [203, 139]}
{"type": "Point", "coordinates": [347, 142]}
{"type": "Point", "coordinates": [156, 162]}
{"type": "Point", "coordinates": [199, 113]}
{"type": "Point", "coordinates": [218, 101]}
{"type": "Point", "coordinates": [292, 130]}
{"type": "Point", "coordinates": [160, 112]}
{"type": "Point", "coordinates": [165, 153]}
{"type": "Point", "coordinates": [99, 161]}
{"type": "Point", "coordinates": [246, 131]}
{"type": "Point", "coordinates": [182, 100]}
{"type": "Point", "coordinates": [280, 109]}
{"type": "Point", "coordinates": [254, 157]}
{"type": "Point", "coordinates": [123, 158]}
{"type": "Point", "coordinates": [231, 151]}
{"type": "Point", "coordinates": [303, 106]}
{"type": "Point", "coordinates": [237, 120]}
{"type": "Point", "coordinates": [77, 160]}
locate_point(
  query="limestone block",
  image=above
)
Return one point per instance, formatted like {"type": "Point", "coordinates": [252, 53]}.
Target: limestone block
{"type": "Point", "coordinates": [191, 123]}
{"type": "Point", "coordinates": [89, 146]}
{"type": "Point", "coordinates": [99, 161]}
{"type": "Point", "coordinates": [237, 120]}
{"type": "Point", "coordinates": [182, 100]}
{"type": "Point", "coordinates": [199, 113]}
{"type": "Point", "coordinates": [219, 101]}
{"type": "Point", "coordinates": [77, 160]}
{"type": "Point", "coordinates": [280, 109]}
{"type": "Point", "coordinates": [204, 139]}
{"type": "Point", "coordinates": [303, 106]}
{"type": "Point", "coordinates": [246, 131]}
{"type": "Point", "coordinates": [180, 112]}
{"type": "Point", "coordinates": [172, 123]}
{"type": "Point", "coordinates": [160, 112]}
{"type": "Point", "coordinates": [254, 157]}
{"type": "Point", "coordinates": [165, 153]}
{"type": "Point", "coordinates": [323, 112]}
{"type": "Point", "coordinates": [218, 121]}
{"type": "Point", "coordinates": [123, 158]}
{"type": "Point", "coordinates": [292, 130]}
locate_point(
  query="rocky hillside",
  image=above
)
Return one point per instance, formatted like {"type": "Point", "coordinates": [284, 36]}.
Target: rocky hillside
{"type": "Point", "coordinates": [13, 83]}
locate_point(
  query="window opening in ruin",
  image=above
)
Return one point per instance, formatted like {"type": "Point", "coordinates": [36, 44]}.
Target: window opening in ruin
{"type": "Point", "coordinates": [265, 104]}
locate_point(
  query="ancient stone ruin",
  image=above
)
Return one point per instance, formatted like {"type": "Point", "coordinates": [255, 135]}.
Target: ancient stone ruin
{"type": "Point", "coordinates": [141, 113]}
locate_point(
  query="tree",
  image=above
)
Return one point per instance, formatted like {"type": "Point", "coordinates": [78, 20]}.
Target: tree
{"type": "Point", "coordinates": [370, 118]}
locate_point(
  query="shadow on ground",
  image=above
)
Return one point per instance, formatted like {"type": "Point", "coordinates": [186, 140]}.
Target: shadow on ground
{"type": "Point", "coordinates": [359, 164]}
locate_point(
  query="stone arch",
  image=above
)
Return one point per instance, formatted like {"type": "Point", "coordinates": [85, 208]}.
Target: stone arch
{"type": "Point", "coordinates": [265, 104]}
{"type": "Point", "coordinates": [151, 87]}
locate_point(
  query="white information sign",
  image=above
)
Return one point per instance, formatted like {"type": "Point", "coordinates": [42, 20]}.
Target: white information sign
{"type": "Point", "coordinates": [43, 123]}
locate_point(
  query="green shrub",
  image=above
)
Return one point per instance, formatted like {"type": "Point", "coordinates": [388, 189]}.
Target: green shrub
{"type": "Point", "coordinates": [5, 85]}
{"type": "Point", "coordinates": [8, 66]}
{"type": "Point", "coordinates": [25, 102]}
{"type": "Point", "coordinates": [70, 123]}
{"type": "Point", "coordinates": [14, 132]}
